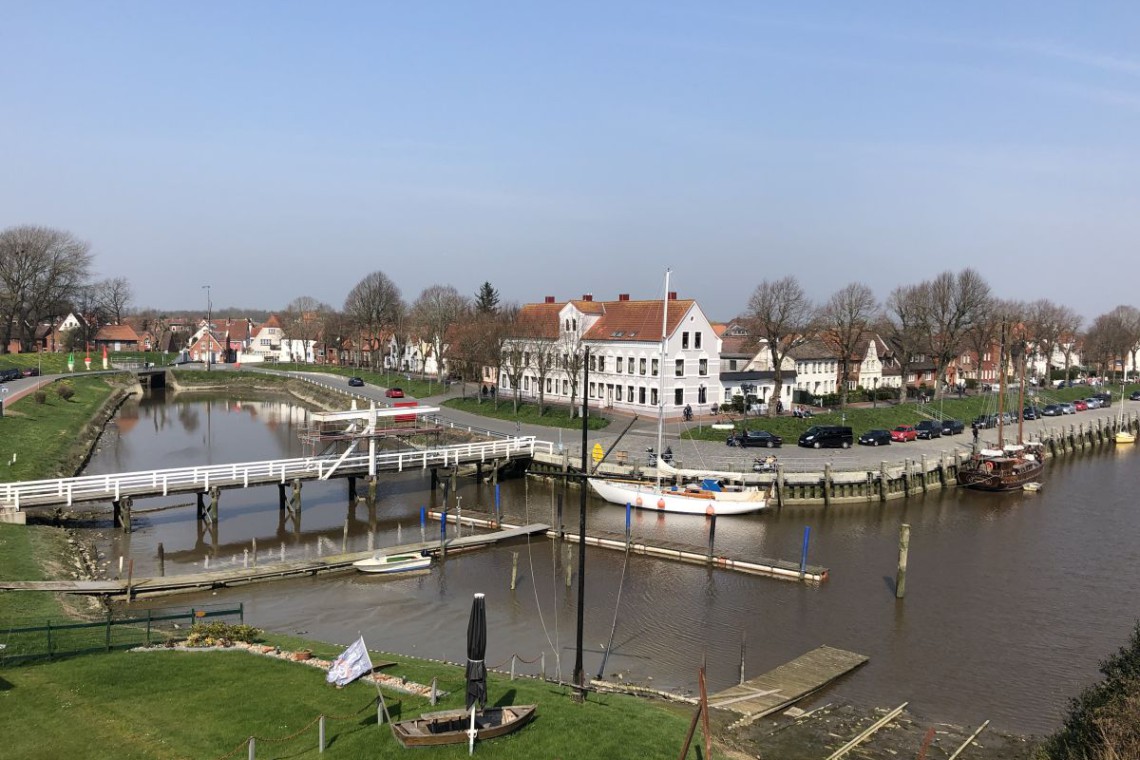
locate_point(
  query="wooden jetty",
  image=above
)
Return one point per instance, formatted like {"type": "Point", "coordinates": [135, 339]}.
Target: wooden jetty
{"type": "Point", "coordinates": [242, 576]}
{"type": "Point", "coordinates": [787, 684]}
{"type": "Point", "coordinates": [774, 568]}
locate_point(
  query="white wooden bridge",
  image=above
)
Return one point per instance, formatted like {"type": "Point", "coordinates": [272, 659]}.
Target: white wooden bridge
{"type": "Point", "coordinates": [114, 487]}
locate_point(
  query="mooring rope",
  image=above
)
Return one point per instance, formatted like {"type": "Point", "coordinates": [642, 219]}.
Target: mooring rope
{"type": "Point", "coordinates": [530, 562]}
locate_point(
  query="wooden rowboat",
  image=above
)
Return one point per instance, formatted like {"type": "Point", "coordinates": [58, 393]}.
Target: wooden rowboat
{"type": "Point", "coordinates": [452, 726]}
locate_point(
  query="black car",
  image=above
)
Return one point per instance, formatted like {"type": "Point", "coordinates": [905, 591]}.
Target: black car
{"type": "Point", "coordinates": [1030, 413]}
{"type": "Point", "coordinates": [830, 436]}
{"type": "Point", "coordinates": [760, 438]}
{"type": "Point", "coordinates": [875, 438]}
{"type": "Point", "coordinates": [952, 427]}
{"type": "Point", "coordinates": [1134, 396]}
{"type": "Point", "coordinates": [985, 421]}
{"type": "Point", "coordinates": [356, 382]}
{"type": "Point", "coordinates": [1105, 399]}
{"type": "Point", "coordinates": [928, 429]}
{"type": "Point", "coordinates": [9, 374]}
{"type": "Point", "coordinates": [30, 371]}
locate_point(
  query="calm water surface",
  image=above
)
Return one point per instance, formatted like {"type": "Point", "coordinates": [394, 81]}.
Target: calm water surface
{"type": "Point", "coordinates": [1012, 600]}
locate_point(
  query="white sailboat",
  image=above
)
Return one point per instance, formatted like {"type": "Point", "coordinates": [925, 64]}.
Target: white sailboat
{"type": "Point", "coordinates": [708, 498]}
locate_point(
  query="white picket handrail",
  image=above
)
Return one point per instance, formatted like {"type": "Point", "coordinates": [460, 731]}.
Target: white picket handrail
{"type": "Point", "coordinates": [160, 482]}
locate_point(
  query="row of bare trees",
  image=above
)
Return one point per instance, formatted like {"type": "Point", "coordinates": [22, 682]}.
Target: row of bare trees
{"type": "Point", "coordinates": [932, 321]}
{"type": "Point", "coordinates": [44, 275]}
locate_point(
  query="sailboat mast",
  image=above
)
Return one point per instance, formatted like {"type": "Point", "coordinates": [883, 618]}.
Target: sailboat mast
{"type": "Point", "coordinates": [661, 376]}
{"type": "Point", "coordinates": [1001, 387]}
{"type": "Point", "coordinates": [1021, 399]}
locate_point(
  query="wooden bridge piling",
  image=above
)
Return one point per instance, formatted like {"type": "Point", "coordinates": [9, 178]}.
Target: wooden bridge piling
{"type": "Point", "coordinates": [826, 484]}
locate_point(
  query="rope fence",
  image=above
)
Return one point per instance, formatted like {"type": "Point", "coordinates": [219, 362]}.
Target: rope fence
{"type": "Point", "coordinates": [250, 743]}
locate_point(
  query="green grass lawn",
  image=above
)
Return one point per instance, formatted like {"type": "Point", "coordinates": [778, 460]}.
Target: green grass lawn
{"type": "Point", "coordinates": [554, 415]}
{"type": "Point", "coordinates": [170, 704]}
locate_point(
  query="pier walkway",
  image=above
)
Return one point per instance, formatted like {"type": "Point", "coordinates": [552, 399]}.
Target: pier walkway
{"type": "Point", "coordinates": [242, 576]}
{"type": "Point", "coordinates": [696, 555]}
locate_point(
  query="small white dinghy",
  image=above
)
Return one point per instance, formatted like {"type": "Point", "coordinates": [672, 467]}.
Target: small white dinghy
{"type": "Point", "coordinates": [1032, 487]}
{"type": "Point", "coordinates": [392, 563]}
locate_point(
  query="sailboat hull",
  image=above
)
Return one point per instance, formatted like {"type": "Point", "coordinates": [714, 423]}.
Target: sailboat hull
{"type": "Point", "coordinates": [683, 501]}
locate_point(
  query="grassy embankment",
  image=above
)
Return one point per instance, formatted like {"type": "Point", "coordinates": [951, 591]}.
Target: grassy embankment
{"type": "Point", "coordinates": [203, 705]}
{"type": "Point", "coordinates": [887, 416]}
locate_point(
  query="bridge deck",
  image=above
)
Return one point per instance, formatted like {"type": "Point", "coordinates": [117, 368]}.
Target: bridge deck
{"type": "Point", "coordinates": [788, 683]}
{"type": "Point", "coordinates": [115, 486]}
{"type": "Point", "coordinates": [244, 575]}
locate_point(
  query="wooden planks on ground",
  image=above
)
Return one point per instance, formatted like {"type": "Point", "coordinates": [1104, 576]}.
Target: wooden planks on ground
{"type": "Point", "coordinates": [787, 684]}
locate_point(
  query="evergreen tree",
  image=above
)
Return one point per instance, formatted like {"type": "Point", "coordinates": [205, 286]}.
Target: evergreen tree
{"type": "Point", "coordinates": [487, 299]}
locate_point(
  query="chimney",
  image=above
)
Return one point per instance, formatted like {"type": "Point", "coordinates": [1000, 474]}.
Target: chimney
{"type": "Point", "coordinates": [549, 299]}
{"type": "Point", "coordinates": [623, 296]}
{"type": "Point", "coordinates": [672, 295]}
{"type": "Point", "coordinates": [587, 296]}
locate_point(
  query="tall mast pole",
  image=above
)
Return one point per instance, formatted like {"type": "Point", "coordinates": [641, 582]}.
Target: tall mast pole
{"type": "Point", "coordinates": [661, 376]}
{"type": "Point", "coordinates": [1001, 387]}
{"type": "Point", "coordinates": [579, 671]}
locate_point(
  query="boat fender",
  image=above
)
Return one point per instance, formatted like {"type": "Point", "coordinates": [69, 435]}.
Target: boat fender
{"type": "Point", "coordinates": [661, 503]}
{"type": "Point", "coordinates": [710, 510]}
{"type": "Point", "coordinates": [988, 466]}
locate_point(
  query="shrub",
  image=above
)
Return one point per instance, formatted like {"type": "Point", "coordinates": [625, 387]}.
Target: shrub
{"type": "Point", "coordinates": [40, 397]}
{"type": "Point", "coordinates": [221, 634]}
{"type": "Point", "coordinates": [1101, 722]}
{"type": "Point", "coordinates": [65, 391]}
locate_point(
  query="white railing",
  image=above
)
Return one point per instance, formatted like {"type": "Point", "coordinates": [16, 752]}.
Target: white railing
{"type": "Point", "coordinates": [66, 491]}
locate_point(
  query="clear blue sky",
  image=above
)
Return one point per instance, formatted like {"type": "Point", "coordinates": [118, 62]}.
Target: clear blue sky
{"type": "Point", "coordinates": [278, 149]}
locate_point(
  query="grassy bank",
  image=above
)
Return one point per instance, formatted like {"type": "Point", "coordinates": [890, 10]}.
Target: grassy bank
{"type": "Point", "coordinates": [556, 416]}
{"type": "Point", "coordinates": [205, 704]}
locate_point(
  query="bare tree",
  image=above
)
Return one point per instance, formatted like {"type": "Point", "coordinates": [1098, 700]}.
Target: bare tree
{"type": "Point", "coordinates": [1045, 328]}
{"type": "Point", "coordinates": [544, 357]}
{"type": "Point", "coordinates": [953, 303]}
{"type": "Point", "coordinates": [434, 313]}
{"type": "Point", "coordinates": [374, 305]}
{"type": "Point", "coordinates": [113, 297]}
{"type": "Point", "coordinates": [903, 327]}
{"type": "Point", "coordinates": [1070, 333]}
{"type": "Point", "coordinates": [39, 269]}
{"type": "Point", "coordinates": [573, 361]}
{"type": "Point", "coordinates": [780, 313]}
{"type": "Point", "coordinates": [984, 333]}
{"type": "Point", "coordinates": [843, 324]}
{"type": "Point", "coordinates": [303, 321]}
{"type": "Point", "coordinates": [514, 353]}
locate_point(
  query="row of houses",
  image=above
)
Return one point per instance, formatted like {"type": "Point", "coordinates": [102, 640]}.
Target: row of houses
{"type": "Point", "coordinates": [700, 363]}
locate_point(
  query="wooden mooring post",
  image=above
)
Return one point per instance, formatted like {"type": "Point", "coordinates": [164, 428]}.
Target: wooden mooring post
{"type": "Point", "coordinates": [904, 548]}
{"type": "Point", "coordinates": [884, 483]}
{"type": "Point", "coordinates": [122, 510]}
{"type": "Point", "coordinates": [827, 484]}
{"type": "Point", "coordinates": [161, 560]}
{"type": "Point", "coordinates": [779, 486]}
{"type": "Point", "coordinates": [922, 474]}
{"type": "Point", "coordinates": [514, 569]}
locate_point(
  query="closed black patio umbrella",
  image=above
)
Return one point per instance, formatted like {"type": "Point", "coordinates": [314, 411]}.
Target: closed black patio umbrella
{"type": "Point", "coordinates": [476, 651]}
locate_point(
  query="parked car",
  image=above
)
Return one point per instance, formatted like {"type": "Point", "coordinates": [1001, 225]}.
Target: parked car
{"type": "Point", "coordinates": [1134, 396]}
{"type": "Point", "coordinates": [1104, 398]}
{"type": "Point", "coordinates": [904, 433]}
{"type": "Point", "coordinates": [928, 429]}
{"type": "Point", "coordinates": [30, 372]}
{"type": "Point", "coordinates": [952, 427]}
{"type": "Point", "coordinates": [1051, 410]}
{"type": "Point", "coordinates": [1030, 413]}
{"type": "Point", "coordinates": [1092, 402]}
{"type": "Point", "coordinates": [985, 421]}
{"type": "Point", "coordinates": [356, 382]}
{"type": "Point", "coordinates": [9, 374]}
{"type": "Point", "coordinates": [394, 393]}
{"type": "Point", "coordinates": [875, 438]}
{"type": "Point", "coordinates": [1080, 405]}
{"type": "Point", "coordinates": [1068, 409]}
{"type": "Point", "coordinates": [834, 436]}
{"type": "Point", "coordinates": [758, 438]}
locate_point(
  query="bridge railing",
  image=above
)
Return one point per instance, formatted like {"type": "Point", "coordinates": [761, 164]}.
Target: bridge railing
{"type": "Point", "coordinates": [115, 485]}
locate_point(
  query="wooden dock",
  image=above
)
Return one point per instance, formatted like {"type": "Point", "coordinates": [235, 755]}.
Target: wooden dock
{"type": "Point", "coordinates": [242, 576]}
{"type": "Point", "coordinates": [672, 550]}
{"type": "Point", "coordinates": [787, 684]}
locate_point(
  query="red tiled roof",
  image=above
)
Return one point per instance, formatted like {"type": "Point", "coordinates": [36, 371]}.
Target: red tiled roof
{"type": "Point", "coordinates": [538, 320]}
{"type": "Point", "coordinates": [123, 333]}
{"type": "Point", "coordinates": [272, 322]}
{"type": "Point", "coordinates": [637, 320]}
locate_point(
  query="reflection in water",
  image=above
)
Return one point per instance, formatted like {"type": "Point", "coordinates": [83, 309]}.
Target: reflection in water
{"type": "Point", "coordinates": [1012, 599]}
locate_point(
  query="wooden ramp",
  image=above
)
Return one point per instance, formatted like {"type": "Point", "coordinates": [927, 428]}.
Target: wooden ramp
{"type": "Point", "coordinates": [788, 683]}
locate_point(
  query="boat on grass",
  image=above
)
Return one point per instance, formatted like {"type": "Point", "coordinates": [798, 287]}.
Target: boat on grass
{"type": "Point", "coordinates": [392, 563]}
{"type": "Point", "coordinates": [454, 726]}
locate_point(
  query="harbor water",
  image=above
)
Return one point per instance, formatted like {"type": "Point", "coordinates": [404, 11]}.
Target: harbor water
{"type": "Point", "coordinates": [1012, 599]}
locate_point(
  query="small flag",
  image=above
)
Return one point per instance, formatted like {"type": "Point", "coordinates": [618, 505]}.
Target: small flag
{"type": "Point", "coordinates": [352, 664]}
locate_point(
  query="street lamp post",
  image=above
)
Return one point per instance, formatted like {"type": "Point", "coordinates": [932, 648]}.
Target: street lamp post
{"type": "Point", "coordinates": [209, 328]}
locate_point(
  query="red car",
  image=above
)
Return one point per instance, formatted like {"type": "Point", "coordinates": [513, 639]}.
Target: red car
{"type": "Point", "coordinates": [904, 433]}
{"type": "Point", "coordinates": [1080, 405]}
{"type": "Point", "coordinates": [394, 393]}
